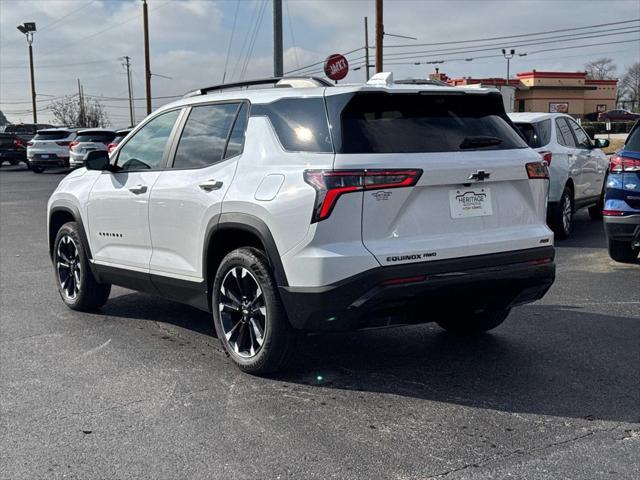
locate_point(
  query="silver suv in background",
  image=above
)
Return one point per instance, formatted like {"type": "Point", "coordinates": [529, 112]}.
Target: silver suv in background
{"type": "Point", "coordinates": [89, 140]}
{"type": "Point", "coordinates": [50, 148]}
{"type": "Point", "coordinates": [578, 167]}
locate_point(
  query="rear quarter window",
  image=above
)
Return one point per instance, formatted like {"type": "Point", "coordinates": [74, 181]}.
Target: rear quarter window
{"type": "Point", "coordinates": [380, 122]}
{"type": "Point", "coordinates": [300, 123]}
{"type": "Point", "coordinates": [536, 134]}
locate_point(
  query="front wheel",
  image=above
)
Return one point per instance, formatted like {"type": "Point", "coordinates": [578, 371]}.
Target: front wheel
{"type": "Point", "coordinates": [474, 323]}
{"type": "Point", "coordinates": [248, 315]}
{"type": "Point", "coordinates": [622, 252]}
{"type": "Point", "coordinates": [78, 288]}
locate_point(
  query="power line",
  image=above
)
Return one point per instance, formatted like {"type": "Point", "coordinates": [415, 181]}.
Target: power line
{"type": "Point", "coordinates": [61, 64]}
{"type": "Point", "coordinates": [322, 61]}
{"type": "Point", "coordinates": [233, 31]}
{"type": "Point", "coordinates": [263, 8]}
{"type": "Point", "coordinates": [246, 38]}
{"type": "Point", "coordinates": [513, 36]}
{"type": "Point", "coordinates": [293, 37]}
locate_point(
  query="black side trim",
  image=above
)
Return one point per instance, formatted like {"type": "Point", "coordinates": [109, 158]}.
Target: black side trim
{"type": "Point", "coordinates": [123, 277]}
{"type": "Point", "coordinates": [583, 202]}
{"type": "Point", "coordinates": [183, 291]}
{"type": "Point", "coordinates": [250, 224]}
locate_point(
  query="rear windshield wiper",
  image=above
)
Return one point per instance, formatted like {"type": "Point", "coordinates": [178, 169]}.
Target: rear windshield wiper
{"type": "Point", "coordinates": [479, 141]}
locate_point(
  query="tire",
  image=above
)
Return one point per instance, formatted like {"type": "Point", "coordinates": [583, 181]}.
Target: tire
{"type": "Point", "coordinates": [474, 323]}
{"type": "Point", "coordinates": [35, 169]}
{"type": "Point", "coordinates": [13, 162]}
{"type": "Point", "coordinates": [622, 251]}
{"type": "Point", "coordinates": [80, 291]}
{"type": "Point", "coordinates": [561, 217]}
{"type": "Point", "coordinates": [258, 338]}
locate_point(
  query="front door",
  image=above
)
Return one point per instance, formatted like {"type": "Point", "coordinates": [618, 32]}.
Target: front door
{"type": "Point", "coordinates": [189, 194]}
{"type": "Point", "coordinates": [118, 208]}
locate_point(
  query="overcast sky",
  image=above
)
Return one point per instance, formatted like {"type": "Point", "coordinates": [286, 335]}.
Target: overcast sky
{"type": "Point", "coordinates": [190, 40]}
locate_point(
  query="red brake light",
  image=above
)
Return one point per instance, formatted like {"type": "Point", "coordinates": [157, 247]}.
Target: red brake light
{"type": "Point", "coordinates": [618, 163]}
{"type": "Point", "coordinates": [537, 170]}
{"type": "Point", "coordinates": [613, 213]}
{"type": "Point", "coordinates": [546, 157]}
{"type": "Point", "coordinates": [64, 143]}
{"type": "Point", "coordinates": [29, 144]}
{"type": "Point", "coordinates": [18, 143]}
{"type": "Point", "coordinates": [331, 184]}
{"type": "Point", "coordinates": [71, 144]}
{"type": "Point", "coordinates": [111, 146]}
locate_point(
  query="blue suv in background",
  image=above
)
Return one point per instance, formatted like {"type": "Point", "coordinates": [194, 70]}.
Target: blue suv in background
{"type": "Point", "coordinates": [622, 200]}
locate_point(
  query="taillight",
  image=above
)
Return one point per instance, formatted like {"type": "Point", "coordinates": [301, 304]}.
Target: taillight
{"type": "Point", "coordinates": [331, 184]}
{"type": "Point", "coordinates": [111, 146]}
{"type": "Point", "coordinates": [613, 213]}
{"type": "Point", "coordinates": [64, 143]}
{"type": "Point", "coordinates": [618, 163]}
{"type": "Point", "coordinates": [71, 144]}
{"type": "Point", "coordinates": [18, 143]}
{"type": "Point", "coordinates": [537, 170]}
{"type": "Point", "coordinates": [29, 144]}
{"type": "Point", "coordinates": [546, 157]}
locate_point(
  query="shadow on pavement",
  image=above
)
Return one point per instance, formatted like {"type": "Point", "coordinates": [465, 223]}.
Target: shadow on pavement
{"type": "Point", "coordinates": [549, 360]}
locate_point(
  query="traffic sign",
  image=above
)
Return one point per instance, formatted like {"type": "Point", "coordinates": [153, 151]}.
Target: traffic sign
{"type": "Point", "coordinates": [336, 67]}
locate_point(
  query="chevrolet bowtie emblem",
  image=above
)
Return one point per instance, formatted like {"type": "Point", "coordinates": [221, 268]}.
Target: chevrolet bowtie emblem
{"type": "Point", "coordinates": [480, 175]}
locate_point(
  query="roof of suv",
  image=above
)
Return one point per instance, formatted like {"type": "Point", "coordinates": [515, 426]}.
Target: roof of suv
{"type": "Point", "coordinates": [529, 117]}
{"type": "Point", "coordinates": [270, 94]}
{"type": "Point", "coordinates": [96, 130]}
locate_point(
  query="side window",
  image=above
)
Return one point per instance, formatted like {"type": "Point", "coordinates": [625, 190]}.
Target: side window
{"type": "Point", "coordinates": [205, 135]}
{"type": "Point", "coordinates": [581, 136]}
{"type": "Point", "coordinates": [236, 140]}
{"type": "Point", "coordinates": [145, 149]}
{"type": "Point", "coordinates": [563, 133]}
{"type": "Point", "coordinates": [300, 123]}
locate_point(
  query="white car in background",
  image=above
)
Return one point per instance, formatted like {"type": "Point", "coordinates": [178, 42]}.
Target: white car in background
{"type": "Point", "coordinates": [89, 140]}
{"type": "Point", "coordinates": [578, 168]}
{"type": "Point", "coordinates": [50, 148]}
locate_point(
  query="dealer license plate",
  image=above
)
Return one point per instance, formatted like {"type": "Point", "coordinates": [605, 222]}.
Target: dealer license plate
{"type": "Point", "coordinates": [470, 202]}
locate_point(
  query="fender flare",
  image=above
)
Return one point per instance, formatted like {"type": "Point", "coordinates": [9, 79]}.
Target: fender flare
{"type": "Point", "coordinates": [250, 224]}
{"type": "Point", "coordinates": [75, 213]}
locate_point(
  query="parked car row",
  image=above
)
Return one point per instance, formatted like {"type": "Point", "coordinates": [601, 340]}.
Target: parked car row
{"type": "Point", "coordinates": [54, 147]}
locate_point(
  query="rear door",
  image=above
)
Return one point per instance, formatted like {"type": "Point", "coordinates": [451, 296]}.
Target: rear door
{"type": "Point", "coordinates": [189, 194]}
{"type": "Point", "coordinates": [592, 166]}
{"type": "Point", "coordinates": [474, 196]}
{"type": "Point", "coordinates": [118, 208]}
{"type": "Point", "coordinates": [575, 161]}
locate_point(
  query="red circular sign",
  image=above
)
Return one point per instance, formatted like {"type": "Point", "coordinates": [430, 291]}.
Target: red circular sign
{"type": "Point", "coordinates": [336, 67]}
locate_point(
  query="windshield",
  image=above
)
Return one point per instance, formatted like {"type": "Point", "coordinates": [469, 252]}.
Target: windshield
{"type": "Point", "coordinates": [380, 122]}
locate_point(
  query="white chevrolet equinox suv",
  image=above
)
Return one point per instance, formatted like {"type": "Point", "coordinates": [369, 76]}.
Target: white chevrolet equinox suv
{"type": "Point", "coordinates": [310, 207]}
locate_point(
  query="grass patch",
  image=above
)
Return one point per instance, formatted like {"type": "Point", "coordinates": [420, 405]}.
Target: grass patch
{"type": "Point", "coordinates": [615, 145]}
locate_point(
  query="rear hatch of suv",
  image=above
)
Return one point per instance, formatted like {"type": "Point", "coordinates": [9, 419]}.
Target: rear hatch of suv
{"type": "Point", "coordinates": [50, 144]}
{"type": "Point", "coordinates": [466, 187]}
{"type": "Point", "coordinates": [91, 140]}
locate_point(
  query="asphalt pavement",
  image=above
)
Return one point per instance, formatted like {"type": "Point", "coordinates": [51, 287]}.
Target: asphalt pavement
{"type": "Point", "coordinates": [142, 389]}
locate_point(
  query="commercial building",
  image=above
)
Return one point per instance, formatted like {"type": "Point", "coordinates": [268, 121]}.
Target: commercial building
{"type": "Point", "coordinates": [564, 92]}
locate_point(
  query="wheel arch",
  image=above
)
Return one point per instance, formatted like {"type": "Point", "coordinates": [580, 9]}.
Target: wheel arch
{"type": "Point", "coordinates": [60, 215]}
{"type": "Point", "coordinates": [229, 231]}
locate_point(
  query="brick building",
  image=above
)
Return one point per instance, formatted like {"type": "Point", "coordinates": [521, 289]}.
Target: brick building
{"type": "Point", "coordinates": [566, 92]}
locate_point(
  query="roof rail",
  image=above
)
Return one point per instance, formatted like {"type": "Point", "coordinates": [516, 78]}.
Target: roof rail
{"type": "Point", "coordinates": [285, 82]}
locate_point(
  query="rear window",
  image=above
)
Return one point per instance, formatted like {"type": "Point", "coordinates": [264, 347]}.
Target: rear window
{"type": "Point", "coordinates": [57, 135]}
{"type": "Point", "coordinates": [98, 137]}
{"type": "Point", "coordinates": [28, 129]}
{"type": "Point", "coordinates": [537, 134]}
{"type": "Point", "coordinates": [380, 122]}
{"type": "Point", "coordinates": [633, 142]}
{"type": "Point", "coordinates": [300, 123]}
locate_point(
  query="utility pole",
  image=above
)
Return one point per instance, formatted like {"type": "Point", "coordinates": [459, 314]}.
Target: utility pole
{"type": "Point", "coordinates": [127, 65]}
{"type": "Point", "coordinates": [379, 35]}
{"type": "Point", "coordinates": [80, 106]}
{"type": "Point", "coordinates": [366, 45]}
{"type": "Point", "coordinates": [278, 67]}
{"type": "Point", "coordinates": [147, 65]}
{"type": "Point", "coordinates": [29, 28]}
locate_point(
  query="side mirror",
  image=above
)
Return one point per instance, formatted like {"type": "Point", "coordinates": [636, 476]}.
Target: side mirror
{"type": "Point", "coordinates": [601, 143]}
{"type": "Point", "coordinates": [98, 160]}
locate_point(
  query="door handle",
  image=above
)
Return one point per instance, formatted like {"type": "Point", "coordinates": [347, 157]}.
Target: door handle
{"type": "Point", "coordinates": [138, 189]}
{"type": "Point", "coordinates": [210, 185]}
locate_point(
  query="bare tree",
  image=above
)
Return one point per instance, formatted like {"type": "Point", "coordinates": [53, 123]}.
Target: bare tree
{"type": "Point", "coordinates": [71, 112]}
{"type": "Point", "coordinates": [630, 86]}
{"type": "Point", "coordinates": [601, 69]}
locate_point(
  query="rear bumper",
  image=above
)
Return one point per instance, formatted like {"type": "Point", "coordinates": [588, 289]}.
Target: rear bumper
{"type": "Point", "coordinates": [623, 228]}
{"type": "Point", "coordinates": [13, 156]}
{"type": "Point", "coordinates": [370, 299]}
{"type": "Point", "coordinates": [52, 161]}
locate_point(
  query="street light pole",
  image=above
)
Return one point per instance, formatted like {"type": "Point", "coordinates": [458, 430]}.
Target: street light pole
{"type": "Point", "coordinates": [278, 65]}
{"type": "Point", "coordinates": [379, 35]}
{"type": "Point", "coordinates": [366, 45]}
{"type": "Point", "coordinates": [508, 55]}
{"type": "Point", "coordinates": [29, 28]}
{"type": "Point", "coordinates": [147, 63]}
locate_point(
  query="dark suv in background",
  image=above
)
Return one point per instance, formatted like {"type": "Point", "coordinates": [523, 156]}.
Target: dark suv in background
{"type": "Point", "coordinates": [13, 142]}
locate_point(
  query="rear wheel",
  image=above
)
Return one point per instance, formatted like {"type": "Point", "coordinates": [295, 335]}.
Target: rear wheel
{"type": "Point", "coordinates": [248, 315]}
{"type": "Point", "coordinates": [561, 216]}
{"type": "Point", "coordinates": [78, 288]}
{"type": "Point", "coordinates": [13, 162]}
{"type": "Point", "coordinates": [622, 251]}
{"type": "Point", "coordinates": [35, 169]}
{"type": "Point", "coordinates": [474, 323]}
